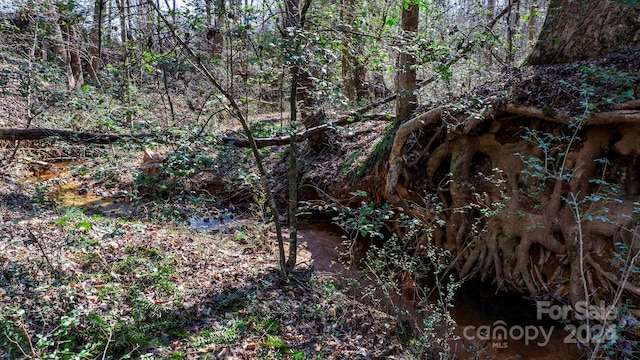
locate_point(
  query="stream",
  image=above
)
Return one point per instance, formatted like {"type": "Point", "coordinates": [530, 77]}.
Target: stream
{"type": "Point", "coordinates": [476, 308]}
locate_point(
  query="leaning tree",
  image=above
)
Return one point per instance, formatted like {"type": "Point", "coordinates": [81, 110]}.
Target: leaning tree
{"type": "Point", "coordinates": [533, 182]}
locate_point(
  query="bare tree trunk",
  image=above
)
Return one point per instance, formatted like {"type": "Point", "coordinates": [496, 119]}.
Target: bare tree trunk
{"type": "Point", "coordinates": [65, 44]}
{"type": "Point", "coordinates": [216, 37]}
{"type": "Point", "coordinates": [76, 78]}
{"type": "Point", "coordinates": [122, 8]}
{"type": "Point", "coordinates": [96, 46]}
{"type": "Point", "coordinates": [516, 30]}
{"type": "Point", "coordinates": [57, 43]}
{"type": "Point", "coordinates": [293, 174]}
{"type": "Point", "coordinates": [407, 100]}
{"type": "Point", "coordinates": [510, 34]}
{"type": "Point", "coordinates": [491, 7]}
{"type": "Point", "coordinates": [580, 29]}
{"type": "Point", "coordinates": [533, 13]}
{"type": "Point", "coordinates": [353, 69]}
{"type": "Point", "coordinates": [215, 22]}
{"type": "Point", "coordinates": [311, 115]}
{"type": "Point", "coordinates": [293, 19]}
{"type": "Point", "coordinates": [110, 17]}
{"type": "Point", "coordinates": [135, 30]}
{"type": "Point", "coordinates": [294, 22]}
{"type": "Point", "coordinates": [208, 9]}
{"type": "Point", "coordinates": [60, 41]}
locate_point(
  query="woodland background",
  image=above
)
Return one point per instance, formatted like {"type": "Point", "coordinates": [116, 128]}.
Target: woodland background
{"type": "Point", "coordinates": [177, 177]}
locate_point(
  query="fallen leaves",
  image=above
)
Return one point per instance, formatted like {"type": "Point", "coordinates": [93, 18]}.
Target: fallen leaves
{"type": "Point", "coordinates": [127, 275]}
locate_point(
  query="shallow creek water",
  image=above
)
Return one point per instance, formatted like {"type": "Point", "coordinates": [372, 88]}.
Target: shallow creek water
{"type": "Point", "coordinates": [475, 308]}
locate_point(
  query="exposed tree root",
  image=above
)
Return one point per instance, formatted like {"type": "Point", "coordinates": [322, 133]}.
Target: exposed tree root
{"type": "Point", "coordinates": [603, 118]}
{"type": "Point", "coordinates": [516, 223]}
{"type": "Point", "coordinates": [613, 278]}
{"type": "Point", "coordinates": [628, 105]}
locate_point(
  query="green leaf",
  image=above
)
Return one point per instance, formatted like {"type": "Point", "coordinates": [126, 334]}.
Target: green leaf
{"type": "Point", "coordinates": [84, 225]}
{"type": "Point", "coordinates": [275, 341]}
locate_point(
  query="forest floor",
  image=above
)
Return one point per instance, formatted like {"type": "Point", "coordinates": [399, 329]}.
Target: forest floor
{"type": "Point", "coordinates": [102, 257]}
{"type": "Point", "coordinates": [81, 275]}
{"type": "Point", "coordinates": [96, 258]}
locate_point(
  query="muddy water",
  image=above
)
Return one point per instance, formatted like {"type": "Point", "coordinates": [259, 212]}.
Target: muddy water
{"type": "Point", "coordinates": [476, 307]}
{"type": "Point", "coordinates": [64, 187]}
{"type": "Point", "coordinates": [321, 242]}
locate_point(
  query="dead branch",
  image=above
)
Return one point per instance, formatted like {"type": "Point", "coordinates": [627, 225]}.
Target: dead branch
{"type": "Point", "coordinates": [284, 140]}
{"type": "Point", "coordinates": [67, 135]}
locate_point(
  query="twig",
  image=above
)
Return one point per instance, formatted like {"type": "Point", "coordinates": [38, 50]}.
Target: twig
{"type": "Point", "coordinates": [16, 343]}
{"type": "Point", "coordinates": [46, 258]}
{"type": "Point", "coordinates": [104, 353]}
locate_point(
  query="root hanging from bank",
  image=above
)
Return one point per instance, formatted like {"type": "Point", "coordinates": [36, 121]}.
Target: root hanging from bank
{"type": "Point", "coordinates": [522, 190]}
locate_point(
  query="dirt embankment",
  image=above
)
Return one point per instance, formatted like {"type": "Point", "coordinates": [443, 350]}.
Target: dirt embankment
{"type": "Point", "coordinates": [524, 180]}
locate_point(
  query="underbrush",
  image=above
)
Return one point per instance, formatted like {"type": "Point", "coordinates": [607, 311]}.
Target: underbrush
{"type": "Point", "coordinates": [77, 285]}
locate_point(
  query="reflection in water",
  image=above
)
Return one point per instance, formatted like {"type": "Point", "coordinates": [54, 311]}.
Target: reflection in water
{"type": "Point", "coordinates": [218, 223]}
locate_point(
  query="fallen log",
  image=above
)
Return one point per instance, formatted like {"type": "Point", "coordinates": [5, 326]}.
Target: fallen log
{"type": "Point", "coordinates": [12, 134]}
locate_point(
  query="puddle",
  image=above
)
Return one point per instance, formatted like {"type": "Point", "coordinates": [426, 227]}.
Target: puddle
{"type": "Point", "coordinates": [477, 310]}
{"type": "Point", "coordinates": [218, 223]}
{"type": "Point", "coordinates": [323, 243]}
{"type": "Point", "coordinates": [60, 187]}
{"type": "Point", "coordinates": [62, 192]}
{"type": "Point", "coordinates": [71, 194]}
